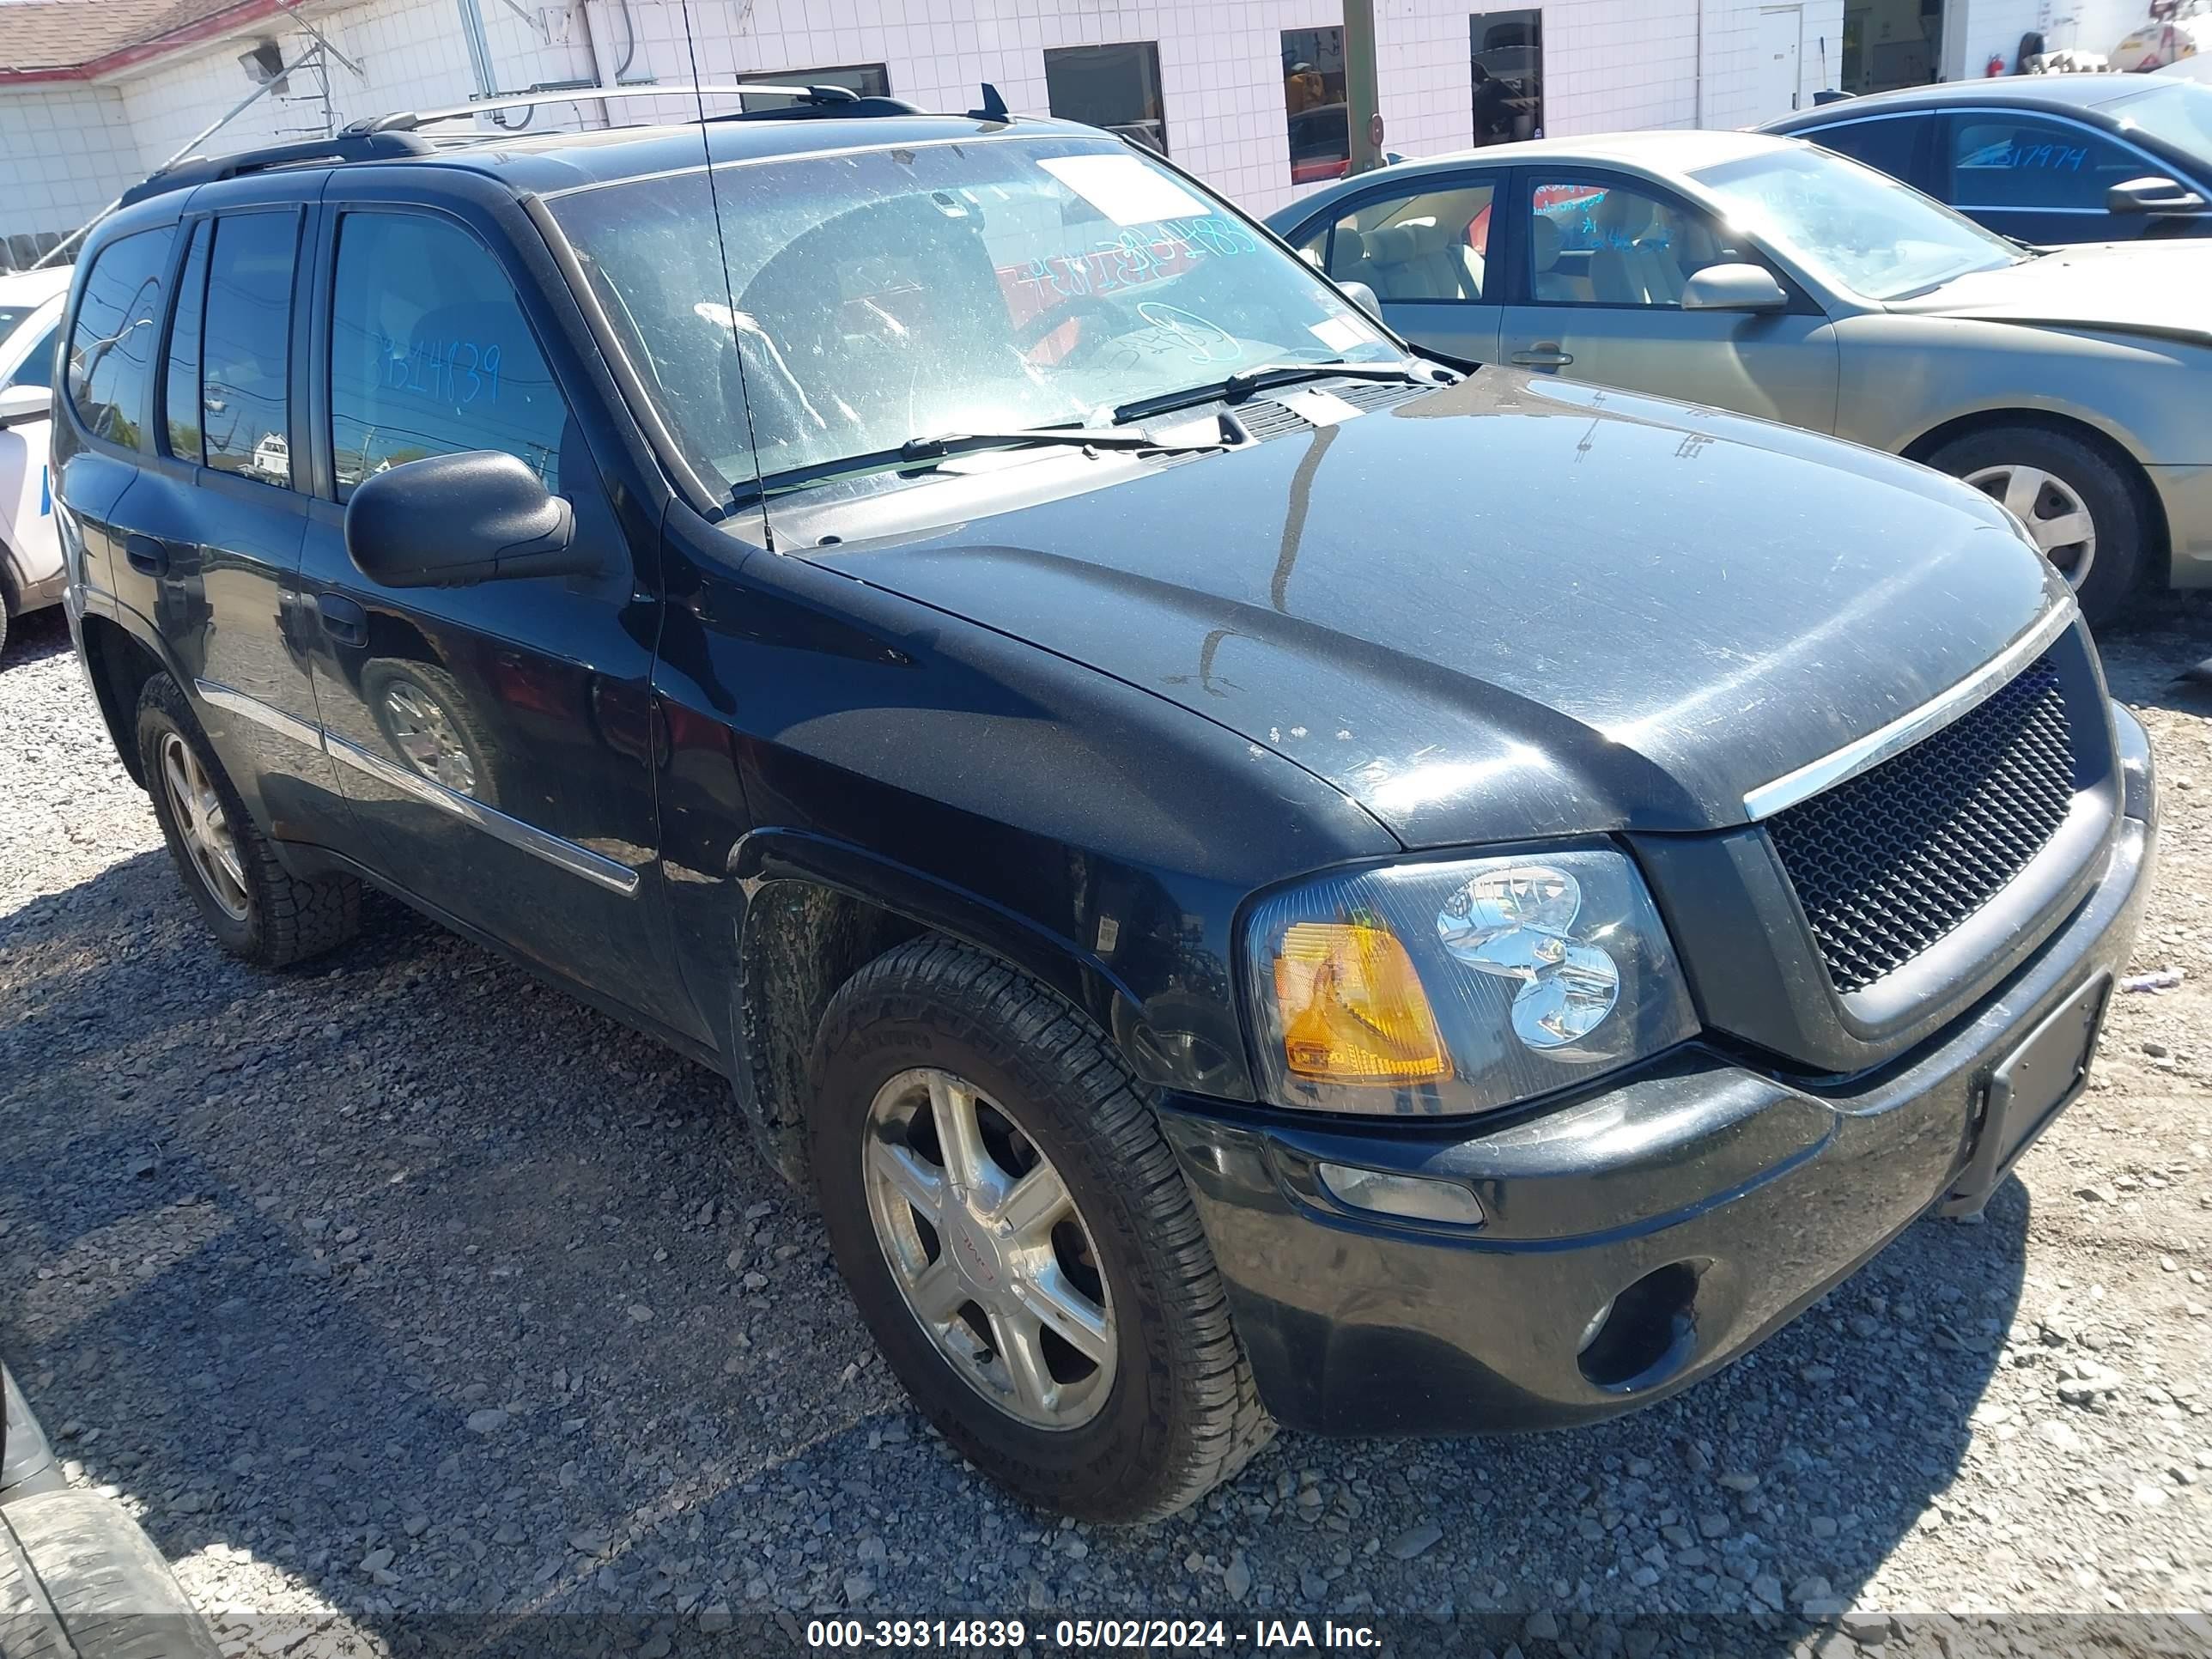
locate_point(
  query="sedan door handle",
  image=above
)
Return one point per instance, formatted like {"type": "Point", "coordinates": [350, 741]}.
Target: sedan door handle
{"type": "Point", "coordinates": [1547, 356]}
{"type": "Point", "coordinates": [343, 620]}
{"type": "Point", "coordinates": [148, 555]}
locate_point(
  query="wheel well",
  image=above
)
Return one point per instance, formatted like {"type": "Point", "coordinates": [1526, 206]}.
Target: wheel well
{"type": "Point", "coordinates": [119, 667]}
{"type": "Point", "coordinates": [2157, 543]}
{"type": "Point", "coordinates": [802, 942]}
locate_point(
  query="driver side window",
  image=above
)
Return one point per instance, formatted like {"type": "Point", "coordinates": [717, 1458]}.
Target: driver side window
{"type": "Point", "coordinates": [1602, 241]}
{"type": "Point", "coordinates": [1428, 247]}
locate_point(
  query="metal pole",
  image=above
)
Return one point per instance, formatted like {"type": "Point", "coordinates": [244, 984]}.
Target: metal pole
{"type": "Point", "coordinates": [190, 144]}
{"type": "Point", "coordinates": [1364, 107]}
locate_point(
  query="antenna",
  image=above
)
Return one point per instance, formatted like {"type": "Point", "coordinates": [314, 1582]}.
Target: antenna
{"type": "Point", "coordinates": [994, 108]}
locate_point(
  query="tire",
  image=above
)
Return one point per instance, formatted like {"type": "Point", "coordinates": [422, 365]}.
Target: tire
{"type": "Point", "coordinates": [78, 1580]}
{"type": "Point", "coordinates": [433, 730]}
{"type": "Point", "coordinates": [1179, 1412]}
{"type": "Point", "coordinates": [257, 910]}
{"type": "Point", "coordinates": [1989, 458]}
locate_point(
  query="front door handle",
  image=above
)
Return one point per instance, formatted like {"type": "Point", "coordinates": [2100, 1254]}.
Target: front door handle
{"type": "Point", "coordinates": [343, 620]}
{"type": "Point", "coordinates": [148, 555]}
{"type": "Point", "coordinates": [1544, 354]}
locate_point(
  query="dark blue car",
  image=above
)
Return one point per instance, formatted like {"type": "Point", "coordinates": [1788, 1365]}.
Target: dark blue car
{"type": "Point", "coordinates": [2046, 158]}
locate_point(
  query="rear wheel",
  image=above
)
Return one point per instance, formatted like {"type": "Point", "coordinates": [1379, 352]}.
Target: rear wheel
{"type": "Point", "coordinates": [2078, 503]}
{"type": "Point", "coordinates": [256, 908]}
{"type": "Point", "coordinates": [1019, 1239]}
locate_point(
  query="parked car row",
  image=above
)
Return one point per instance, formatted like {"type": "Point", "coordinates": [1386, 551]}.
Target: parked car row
{"type": "Point", "coordinates": [1765, 275]}
{"type": "Point", "coordinates": [1259, 876]}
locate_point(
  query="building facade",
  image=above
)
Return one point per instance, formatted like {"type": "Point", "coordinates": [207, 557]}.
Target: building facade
{"type": "Point", "coordinates": [1247, 94]}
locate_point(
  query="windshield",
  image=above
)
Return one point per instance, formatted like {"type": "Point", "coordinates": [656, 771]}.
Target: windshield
{"type": "Point", "coordinates": [2178, 113]}
{"type": "Point", "coordinates": [10, 318]}
{"type": "Point", "coordinates": [867, 298]}
{"type": "Point", "coordinates": [1861, 229]}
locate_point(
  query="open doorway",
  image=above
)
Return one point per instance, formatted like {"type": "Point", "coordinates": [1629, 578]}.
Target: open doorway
{"type": "Point", "coordinates": [1888, 43]}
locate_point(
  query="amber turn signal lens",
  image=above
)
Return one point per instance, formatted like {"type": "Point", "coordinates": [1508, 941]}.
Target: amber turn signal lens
{"type": "Point", "coordinates": [1352, 1008]}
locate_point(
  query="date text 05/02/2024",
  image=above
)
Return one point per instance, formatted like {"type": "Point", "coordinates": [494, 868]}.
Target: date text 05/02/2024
{"type": "Point", "coordinates": [1259, 1636]}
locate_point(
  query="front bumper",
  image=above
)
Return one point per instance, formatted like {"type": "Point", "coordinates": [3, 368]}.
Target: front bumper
{"type": "Point", "coordinates": [1727, 1197]}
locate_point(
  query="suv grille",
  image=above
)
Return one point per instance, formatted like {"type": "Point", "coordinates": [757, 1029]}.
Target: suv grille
{"type": "Point", "coordinates": [1888, 862]}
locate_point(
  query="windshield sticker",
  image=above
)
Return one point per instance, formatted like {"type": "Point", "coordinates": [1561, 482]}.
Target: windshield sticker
{"type": "Point", "coordinates": [1339, 333]}
{"type": "Point", "coordinates": [1126, 190]}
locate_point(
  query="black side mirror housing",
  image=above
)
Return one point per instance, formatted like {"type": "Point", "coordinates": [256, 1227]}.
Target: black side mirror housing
{"type": "Point", "coordinates": [451, 520]}
{"type": "Point", "coordinates": [2154, 194]}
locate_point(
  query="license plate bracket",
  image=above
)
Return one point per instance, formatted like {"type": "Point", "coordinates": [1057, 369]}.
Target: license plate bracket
{"type": "Point", "coordinates": [2028, 1089]}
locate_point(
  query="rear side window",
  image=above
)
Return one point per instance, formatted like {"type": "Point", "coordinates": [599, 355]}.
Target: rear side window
{"type": "Point", "coordinates": [245, 359]}
{"type": "Point", "coordinates": [1889, 145]}
{"type": "Point", "coordinates": [430, 354]}
{"type": "Point", "coordinates": [112, 345]}
{"type": "Point", "coordinates": [181, 381]}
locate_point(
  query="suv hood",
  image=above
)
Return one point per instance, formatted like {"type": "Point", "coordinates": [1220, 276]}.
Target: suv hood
{"type": "Point", "coordinates": [2116, 288]}
{"type": "Point", "coordinates": [1515, 607]}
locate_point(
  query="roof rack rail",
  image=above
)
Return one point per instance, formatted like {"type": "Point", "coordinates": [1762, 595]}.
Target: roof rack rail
{"type": "Point", "coordinates": [347, 146]}
{"type": "Point", "coordinates": [840, 100]}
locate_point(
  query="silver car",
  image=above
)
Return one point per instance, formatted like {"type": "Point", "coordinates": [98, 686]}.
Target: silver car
{"type": "Point", "coordinates": [1765, 275]}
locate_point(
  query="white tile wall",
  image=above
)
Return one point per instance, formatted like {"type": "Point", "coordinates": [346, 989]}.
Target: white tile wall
{"type": "Point", "coordinates": [65, 153]}
{"type": "Point", "coordinates": [1608, 65]}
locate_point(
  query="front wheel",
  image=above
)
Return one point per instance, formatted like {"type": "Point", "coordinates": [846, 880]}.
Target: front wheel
{"type": "Point", "coordinates": [2075, 501]}
{"type": "Point", "coordinates": [1018, 1236]}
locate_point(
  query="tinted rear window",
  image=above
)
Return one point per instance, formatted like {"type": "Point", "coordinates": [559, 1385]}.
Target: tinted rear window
{"type": "Point", "coordinates": [113, 345]}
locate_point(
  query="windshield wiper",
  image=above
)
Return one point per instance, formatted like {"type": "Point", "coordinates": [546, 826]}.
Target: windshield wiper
{"type": "Point", "coordinates": [1245, 381]}
{"type": "Point", "coordinates": [920, 454]}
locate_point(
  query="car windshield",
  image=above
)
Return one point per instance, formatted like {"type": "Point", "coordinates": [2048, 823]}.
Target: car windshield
{"type": "Point", "coordinates": [1861, 229]}
{"type": "Point", "coordinates": [866, 298]}
{"type": "Point", "coordinates": [2178, 113]}
{"type": "Point", "coordinates": [10, 318]}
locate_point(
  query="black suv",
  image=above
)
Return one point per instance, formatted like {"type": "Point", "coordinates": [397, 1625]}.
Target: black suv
{"type": "Point", "coordinates": [1260, 878]}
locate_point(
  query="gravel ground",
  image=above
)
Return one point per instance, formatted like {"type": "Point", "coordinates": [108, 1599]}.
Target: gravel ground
{"type": "Point", "coordinates": [404, 1286]}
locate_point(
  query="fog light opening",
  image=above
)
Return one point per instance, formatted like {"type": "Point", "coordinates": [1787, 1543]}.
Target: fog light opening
{"type": "Point", "coordinates": [1644, 1335]}
{"type": "Point", "coordinates": [1414, 1198]}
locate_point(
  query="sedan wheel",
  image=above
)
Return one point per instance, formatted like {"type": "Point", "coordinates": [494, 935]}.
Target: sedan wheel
{"type": "Point", "coordinates": [989, 1249]}
{"type": "Point", "coordinates": [2053, 511]}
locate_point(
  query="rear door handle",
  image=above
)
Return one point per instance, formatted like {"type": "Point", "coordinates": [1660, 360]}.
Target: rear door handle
{"type": "Point", "coordinates": [148, 556]}
{"type": "Point", "coordinates": [1544, 356]}
{"type": "Point", "coordinates": [343, 620]}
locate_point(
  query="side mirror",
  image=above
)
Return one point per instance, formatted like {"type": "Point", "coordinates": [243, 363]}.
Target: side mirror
{"type": "Point", "coordinates": [1734, 288]}
{"type": "Point", "coordinates": [1363, 296]}
{"type": "Point", "coordinates": [2155, 194]}
{"type": "Point", "coordinates": [22, 404]}
{"type": "Point", "coordinates": [449, 520]}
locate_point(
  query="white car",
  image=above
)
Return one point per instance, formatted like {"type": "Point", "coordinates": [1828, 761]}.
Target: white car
{"type": "Point", "coordinates": [30, 552]}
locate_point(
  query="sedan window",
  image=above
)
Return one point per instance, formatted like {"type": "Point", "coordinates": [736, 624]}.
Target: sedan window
{"type": "Point", "coordinates": [1604, 242]}
{"type": "Point", "coordinates": [1860, 229]}
{"type": "Point", "coordinates": [2033, 161]}
{"type": "Point", "coordinates": [1428, 247]}
{"type": "Point", "coordinates": [1887, 145]}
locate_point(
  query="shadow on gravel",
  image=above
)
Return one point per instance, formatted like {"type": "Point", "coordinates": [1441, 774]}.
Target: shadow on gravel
{"type": "Point", "coordinates": [2148, 653]}
{"type": "Point", "coordinates": [404, 1285]}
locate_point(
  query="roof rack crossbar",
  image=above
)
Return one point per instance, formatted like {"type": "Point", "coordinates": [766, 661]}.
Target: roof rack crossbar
{"type": "Point", "coordinates": [413, 120]}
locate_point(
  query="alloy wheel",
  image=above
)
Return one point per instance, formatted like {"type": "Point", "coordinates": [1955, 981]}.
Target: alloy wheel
{"type": "Point", "coordinates": [985, 1243]}
{"type": "Point", "coordinates": [204, 826]}
{"type": "Point", "coordinates": [2052, 510]}
{"type": "Point", "coordinates": [425, 734]}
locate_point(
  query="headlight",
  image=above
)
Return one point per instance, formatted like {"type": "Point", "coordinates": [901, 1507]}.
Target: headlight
{"type": "Point", "coordinates": [1435, 989]}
